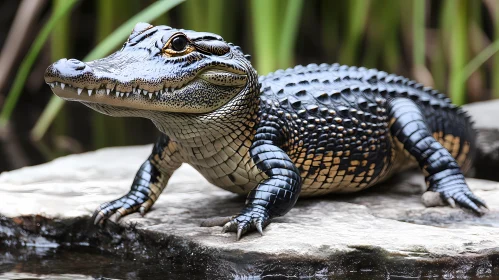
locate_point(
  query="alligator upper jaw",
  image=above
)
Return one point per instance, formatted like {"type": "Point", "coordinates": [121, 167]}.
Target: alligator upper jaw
{"type": "Point", "coordinates": [112, 86]}
{"type": "Point", "coordinates": [137, 97]}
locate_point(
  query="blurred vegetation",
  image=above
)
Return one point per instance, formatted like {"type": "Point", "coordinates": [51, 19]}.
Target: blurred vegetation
{"type": "Point", "coordinates": [448, 44]}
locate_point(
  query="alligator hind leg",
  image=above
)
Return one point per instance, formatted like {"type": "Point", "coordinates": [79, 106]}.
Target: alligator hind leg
{"type": "Point", "coordinates": [148, 184]}
{"type": "Point", "coordinates": [443, 174]}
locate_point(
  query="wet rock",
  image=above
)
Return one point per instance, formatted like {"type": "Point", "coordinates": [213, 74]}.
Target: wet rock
{"type": "Point", "coordinates": [382, 231]}
{"type": "Point", "coordinates": [486, 117]}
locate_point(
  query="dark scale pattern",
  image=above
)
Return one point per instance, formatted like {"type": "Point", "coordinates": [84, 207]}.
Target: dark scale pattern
{"type": "Point", "coordinates": [335, 125]}
{"type": "Point", "coordinates": [309, 130]}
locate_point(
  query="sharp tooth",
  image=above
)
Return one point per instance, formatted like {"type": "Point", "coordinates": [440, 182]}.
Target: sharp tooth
{"type": "Point", "coordinates": [79, 90]}
{"type": "Point", "coordinates": [89, 92]}
{"type": "Point", "coordinates": [117, 94]}
{"type": "Point", "coordinates": [145, 92]}
{"type": "Point", "coordinates": [133, 89]}
{"type": "Point", "coordinates": [52, 85]}
{"type": "Point", "coordinates": [63, 85]}
{"type": "Point", "coordinates": [138, 90]}
{"type": "Point", "coordinates": [150, 95]}
{"type": "Point", "coordinates": [108, 91]}
{"type": "Point", "coordinates": [122, 94]}
{"type": "Point", "coordinates": [127, 94]}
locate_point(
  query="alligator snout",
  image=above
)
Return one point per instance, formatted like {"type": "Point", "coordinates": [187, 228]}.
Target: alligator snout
{"type": "Point", "coordinates": [66, 68]}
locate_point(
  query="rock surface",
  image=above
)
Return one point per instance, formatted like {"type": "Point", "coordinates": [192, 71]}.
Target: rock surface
{"type": "Point", "coordinates": [486, 117]}
{"type": "Point", "coordinates": [383, 231]}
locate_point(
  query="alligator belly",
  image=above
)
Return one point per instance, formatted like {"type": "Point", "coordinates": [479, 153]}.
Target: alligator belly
{"type": "Point", "coordinates": [330, 173]}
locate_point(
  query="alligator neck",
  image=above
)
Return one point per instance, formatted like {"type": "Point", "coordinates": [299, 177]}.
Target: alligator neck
{"type": "Point", "coordinates": [238, 115]}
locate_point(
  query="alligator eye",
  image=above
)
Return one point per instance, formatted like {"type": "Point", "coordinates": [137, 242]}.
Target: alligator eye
{"type": "Point", "coordinates": [179, 43]}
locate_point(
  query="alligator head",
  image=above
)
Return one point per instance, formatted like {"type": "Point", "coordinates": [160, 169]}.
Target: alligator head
{"type": "Point", "coordinates": [159, 69]}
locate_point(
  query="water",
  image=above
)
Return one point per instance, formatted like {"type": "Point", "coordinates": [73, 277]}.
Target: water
{"type": "Point", "coordinates": [87, 263]}
{"type": "Point", "coordinates": [84, 263]}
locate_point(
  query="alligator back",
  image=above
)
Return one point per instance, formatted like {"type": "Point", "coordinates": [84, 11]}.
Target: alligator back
{"type": "Point", "coordinates": [337, 128]}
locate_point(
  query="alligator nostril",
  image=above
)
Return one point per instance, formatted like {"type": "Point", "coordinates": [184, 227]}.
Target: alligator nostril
{"type": "Point", "coordinates": [76, 64]}
{"type": "Point", "coordinates": [66, 69]}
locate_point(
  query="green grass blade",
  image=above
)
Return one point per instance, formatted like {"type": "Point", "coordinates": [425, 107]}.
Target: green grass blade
{"type": "Point", "coordinates": [495, 69]}
{"type": "Point", "coordinates": [60, 47]}
{"type": "Point", "coordinates": [194, 15]}
{"type": "Point", "coordinates": [105, 18]}
{"type": "Point", "coordinates": [418, 29]}
{"type": "Point", "coordinates": [459, 51]}
{"type": "Point", "coordinates": [382, 35]}
{"type": "Point", "coordinates": [478, 61]}
{"type": "Point", "coordinates": [330, 25]}
{"type": "Point", "coordinates": [49, 114]}
{"type": "Point", "coordinates": [439, 55]}
{"type": "Point", "coordinates": [24, 69]}
{"type": "Point", "coordinates": [215, 12]}
{"type": "Point", "coordinates": [289, 32]}
{"type": "Point", "coordinates": [357, 15]}
{"type": "Point", "coordinates": [103, 48]}
{"type": "Point", "coordinates": [264, 15]}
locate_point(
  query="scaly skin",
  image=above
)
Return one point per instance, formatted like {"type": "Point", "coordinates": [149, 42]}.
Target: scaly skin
{"type": "Point", "coordinates": [308, 131]}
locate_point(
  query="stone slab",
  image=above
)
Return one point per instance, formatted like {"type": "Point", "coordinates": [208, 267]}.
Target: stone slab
{"type": "Point", "coordinates": [386, 226]}
{"type": "Point", "coordinates": [486, 117]}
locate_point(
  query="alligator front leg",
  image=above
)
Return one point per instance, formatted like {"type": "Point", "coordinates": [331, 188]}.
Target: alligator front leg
{"type": "Point", "coordinates": [274, 196]}
{"type": "Point", "coordinates": [148, 184]}
{"type": "Point", "coordinates": [443, 172]}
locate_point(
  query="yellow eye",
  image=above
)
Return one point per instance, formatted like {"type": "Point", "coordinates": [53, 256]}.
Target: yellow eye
{"type": "Point", "coordinates": [178, 44]}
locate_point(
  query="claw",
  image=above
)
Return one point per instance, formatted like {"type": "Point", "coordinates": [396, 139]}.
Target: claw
{"type": "Point", "coordinates": [465, 202]}
{"type": "Point", "coordinates": [451, 202]}
{"type": "Point", "coordinates": [476, 209]}
{"type": "Point", "coordinates": [98, 217]}
{"type": "Point", "coordinates": [245, 222]}
{"type": "Point", "coordinates": [259, 228]}
{"type": "Point", "coordinates": [116, 217]}
{"type": "Point", "coordinates": [239, 233]}
{"type": "Point", "coordinates": [142, 211]}
{"type": "Point", "coordinates": [227, 227]}
{"type": "Point", "coordinates": [478, 201]}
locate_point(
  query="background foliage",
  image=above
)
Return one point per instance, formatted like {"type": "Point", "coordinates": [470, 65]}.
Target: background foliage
{"type": "Point", "coordinates": [447, 44]}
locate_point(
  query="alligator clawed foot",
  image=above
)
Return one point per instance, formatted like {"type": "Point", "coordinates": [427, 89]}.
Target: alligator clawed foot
{"type": "Point", "coordinates": [116, 209]}
{"type": "Point", "coordinates": [466, 199]}
{"type": "Point", "coordinates": [460, 195]}
{"type": "Point", "coordinates": [249, 219]}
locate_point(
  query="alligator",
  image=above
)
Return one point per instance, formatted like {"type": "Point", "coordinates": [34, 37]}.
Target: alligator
{"type": "Point", "coordinates": [308, 130]}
